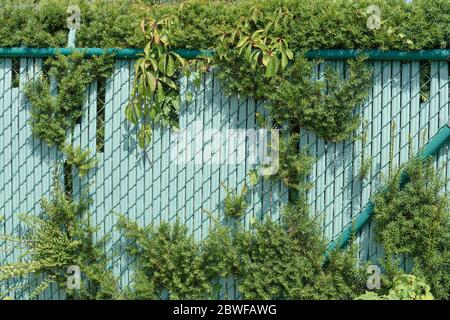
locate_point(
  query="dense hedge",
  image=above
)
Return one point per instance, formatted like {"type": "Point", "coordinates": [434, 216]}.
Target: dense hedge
{"type": "Point", "coordinates": [313, 23]}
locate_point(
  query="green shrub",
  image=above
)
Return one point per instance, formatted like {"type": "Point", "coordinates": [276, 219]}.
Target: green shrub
{"type": "Point", "coordinates": [61, 236]}
{"type": "Point", "coordinates": [235, 204]}
{"type": "Point", "coordinates": [170, 262]}
{"type": "Point", "coordinates": [270, 261]}
{"type": "Point", "coordinates": [325, 107]}
{"type": "Point", "coordinates": [286, 261]}
{"type": "Point", "coordinates": [314, 24]}
{"type": "Point", "coordinates": [412, 219]}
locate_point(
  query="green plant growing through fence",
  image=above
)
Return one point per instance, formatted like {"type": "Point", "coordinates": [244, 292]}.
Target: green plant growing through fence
{"type": "Point", "coordinates": [285, 261]}
{"type": "Point", "coordinates": [269, 261]}
{"type": "Point", "coordinates": [59, 237]}
{"type": "Point", "coordinates": [251, 63]}
{"type": "Point", "coordinates": [253, 59]}
{"type": "Point", "coordinates": [155, 95]}
{"type": "Point", "coordinates": [53, 116]}
{"type": "Point", "coordinates": [405, 287]}
{"type": "Point", "coordinates": [295, 164]}
{"type": "Point", "coordinates": [79, 158]}
{"type": "Point", "coordinates": [170, 263]}
{"type": "Point", "coordinates": [235, 203]}
{"type": "Point", "coordinates": [324, 106]}
{"type": "Point", "coordinates": [413, 221]}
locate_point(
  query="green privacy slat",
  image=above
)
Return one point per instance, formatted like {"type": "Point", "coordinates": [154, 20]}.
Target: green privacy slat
{"type": "Point", "coordinates": [133, 53]}
{"type": "Point", "coordinates": [430, 149]}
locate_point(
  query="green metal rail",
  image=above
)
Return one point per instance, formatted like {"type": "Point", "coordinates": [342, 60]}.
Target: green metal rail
{"type": "Point", "coordinates": [133, 53]}
{"type": "Point", "coordinates": [430, 149]}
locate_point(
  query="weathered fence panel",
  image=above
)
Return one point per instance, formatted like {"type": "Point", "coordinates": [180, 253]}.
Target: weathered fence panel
{"type": "Point", "coordinates": [152, 186]}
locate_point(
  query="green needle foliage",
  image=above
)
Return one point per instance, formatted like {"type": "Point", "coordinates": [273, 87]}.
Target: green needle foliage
{"type": "Point", "coordinates": [414, 220]}
{"type": "Point", "coordinates": [235, 204]}
{"type": "Point", "coordinates": [286, 261]}
{"type": "Point", "coordinates": [79, 158]}
{"type": "Point", "coordinates": [270, 261]}
{"type": "Point", "coordinates": [258, 48]}
{"type": "Point", "coordinates": [62, 236]}
{"type": "Point", "coordinates": [312, 24]}
{"type": "Point", "coordinates": [295, 165]}
{"type": "Point", "coordinates": [325, 106]}
{"type": "Point", "coordinates": [53, 116]}
{"type": "Point", "coordinates": [171, 264]}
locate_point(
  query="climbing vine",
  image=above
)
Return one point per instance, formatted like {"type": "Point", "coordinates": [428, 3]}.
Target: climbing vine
{"type": "Point", "coordinates": [155, 94]}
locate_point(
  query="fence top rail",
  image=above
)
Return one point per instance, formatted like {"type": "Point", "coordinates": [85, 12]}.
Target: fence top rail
{"type": "Point", "coordinates": [329, 54]}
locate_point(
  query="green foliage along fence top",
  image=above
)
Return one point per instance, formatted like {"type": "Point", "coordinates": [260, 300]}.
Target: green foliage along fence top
{"type": "Point", "coordinates": [313, 24]}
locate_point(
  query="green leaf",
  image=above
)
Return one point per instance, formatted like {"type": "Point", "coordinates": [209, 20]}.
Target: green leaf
{"type": "Point", "coordinates": [189, 96]}
{"type": "Point", "coordinates": [162, 64]}
{"type": "Point", "coordinates": [160, 94]}
{"type": "Point", "coordinates": [144, 136]}
{"type": "Point", "coordinates": [170, 66]}
{"type": "Point", "coordinates": [272, 67]}
{"type": "Point", "coordinates": [151, 81]}
{"type": "Point", "coordinates": [266, 60]}
{"type": "Point", "coordinates": [289, 54]}
{"type": "Point", "coordinates": [242, 41]}
{"type": "Point", "coordinates": [132, 113]}
{"type": "Point", "coordinates": [284, 60]}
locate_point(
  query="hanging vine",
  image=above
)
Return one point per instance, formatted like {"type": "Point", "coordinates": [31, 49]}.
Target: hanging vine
{"type": "Point", "coordinates": [155, 96]}
{"type": "Point", "coordinates": [55, 114]}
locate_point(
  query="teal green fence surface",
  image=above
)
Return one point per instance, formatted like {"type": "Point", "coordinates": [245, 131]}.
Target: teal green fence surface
{"type": "Point", "coordinates": [405, 109]}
